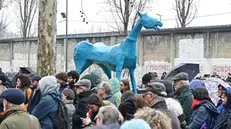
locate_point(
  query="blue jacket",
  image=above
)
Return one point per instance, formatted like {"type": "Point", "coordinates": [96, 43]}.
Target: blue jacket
{"type": "Point", "coordinates": [205, 112]}
{"type": "Point", "coordinates": [110, 99]}
{"type": "Point", "coordinates": [224, 119]}
{"type": "Point", "coordinates": [220, 106]}
{"type": "Point", "coordinates": [34, 99]}
{"type": "Point", "coordinates": [46, 111]}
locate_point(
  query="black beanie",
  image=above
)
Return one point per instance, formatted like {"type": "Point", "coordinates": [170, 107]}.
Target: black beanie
{"type": "Point", "coordinates": [95, 99]}
{"type": "Point", "coordinates": [146, 78]}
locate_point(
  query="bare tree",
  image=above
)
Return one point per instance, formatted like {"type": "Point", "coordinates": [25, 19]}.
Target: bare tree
{"type": "Point", "coordinates": [125, 11]}
{"type": "Point", "coordinates": [186, 11]}
{"type": "Point", "coordinates": [46, 37]}
{"type": "Point", "coordinates": [27, 12]}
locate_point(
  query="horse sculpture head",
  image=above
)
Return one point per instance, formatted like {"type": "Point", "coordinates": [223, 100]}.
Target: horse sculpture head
{"type": "Point", "coordinates": [149, 22]}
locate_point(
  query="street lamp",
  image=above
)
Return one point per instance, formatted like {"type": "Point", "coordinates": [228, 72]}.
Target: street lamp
{"type": "Point", "coordinates": [65, 15]}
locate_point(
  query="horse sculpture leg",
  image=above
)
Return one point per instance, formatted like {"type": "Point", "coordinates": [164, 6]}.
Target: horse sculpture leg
{"type": "Point", "coordinates": [133, 80]}
{"type": "Point", "coordinates": [106, 70]}
{"type": "Point", "coordinates": [82, 65]}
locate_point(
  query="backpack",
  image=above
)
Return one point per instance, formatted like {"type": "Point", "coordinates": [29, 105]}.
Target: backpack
{"type": "Point", "coordinates": [62, 121]}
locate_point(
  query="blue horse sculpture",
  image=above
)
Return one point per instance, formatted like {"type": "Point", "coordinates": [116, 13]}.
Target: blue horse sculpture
{"type": "Point", "coordinates": [116, 57]}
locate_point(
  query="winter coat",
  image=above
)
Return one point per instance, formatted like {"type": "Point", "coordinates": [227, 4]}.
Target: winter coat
{"type": "Point", "coordinates": [220, 106]}
{"type": "Point", "coordinates": [47, 109]}
{"type": "Point", "coordinates": [34, 99]}
{"type": "Point", "coordinates": [127, 109]}
{"type": "Point", "coordinates": [185, 97]}
{"type": "Point", "coordinates": [71, 110]}
{"type": "Point", "coordinates": [116, 94]}
{"type": "Point", "coordinates": [17, 118]}
{"type": "Point", "coordinates": [161, 105]}
{"type": "Point", "coordinates": [204, 112]}
{"type": "Point", "coordinates": [224, 119]}
{"type": "Point", "coordinates": [107, 126]}
{"type": "Point", "coordinates": [110, 99]}
{"type": "Point", "coordinates": [81, 109]}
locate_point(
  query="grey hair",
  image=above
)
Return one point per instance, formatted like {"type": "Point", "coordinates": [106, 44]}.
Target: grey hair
{"type": "Point", "coordinates": [186, 82]}
{"type": "Point", "coordinates": [106, 87]}
{"type": "Point", "coordinates": [109, 115]}
{"type": "Point", "coordinates": [10, 105]}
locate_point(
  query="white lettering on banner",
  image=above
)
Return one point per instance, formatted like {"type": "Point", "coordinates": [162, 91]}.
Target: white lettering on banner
{"type": "Point", "coordinates": [156, 66]}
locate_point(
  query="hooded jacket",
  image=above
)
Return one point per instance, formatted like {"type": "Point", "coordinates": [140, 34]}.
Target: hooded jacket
{"type": "Point", "coordinates": [47, 109]}
{"type": "Point", "coordinates": [161, 105]}
{"type": "Point", "coordinates": [224, 119]}
{"type": "Point", "coordinates": [204, 112]}
{"type": "Point", "coordinates": [116, 94]}
{"type": "Point", "coordinates": [71, 110]}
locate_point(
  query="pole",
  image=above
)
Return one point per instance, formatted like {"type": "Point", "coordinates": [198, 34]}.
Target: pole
{"type": "Point", "coordinates": [66, 41]}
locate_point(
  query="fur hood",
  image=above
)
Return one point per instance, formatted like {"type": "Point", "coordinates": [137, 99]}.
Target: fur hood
{"type": "Point", "coordinates": [174, 106]}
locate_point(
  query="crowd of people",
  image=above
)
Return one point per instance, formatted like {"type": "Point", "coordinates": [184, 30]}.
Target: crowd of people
{"type": "Point", "coordinates": [88, 102]}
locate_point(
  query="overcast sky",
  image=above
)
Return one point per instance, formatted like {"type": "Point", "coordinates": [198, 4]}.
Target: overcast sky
{"type": "Point", "coordinates": [95, 11]}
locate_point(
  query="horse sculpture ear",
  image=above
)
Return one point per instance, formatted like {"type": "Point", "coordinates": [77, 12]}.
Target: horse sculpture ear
{"type": "Point", "coordinates": [139, 13]}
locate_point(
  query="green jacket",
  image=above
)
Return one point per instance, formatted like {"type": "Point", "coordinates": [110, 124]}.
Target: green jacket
{"type": "Point", "coordinates": [185, 97]}
{"type": "Point", "coordinates": [18, 118]}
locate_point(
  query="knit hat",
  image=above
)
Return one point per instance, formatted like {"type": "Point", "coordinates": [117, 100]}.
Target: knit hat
{"type": "Point", "coordinates": [69, 93]}
{"type": "Point", "coordinates": [14, 96]}
{"type": "Point", "coordinates": [135, 124]}
{"type": "Point", "coordinates": [95, 99]}
{"type": "Point", "coordinates": [157, 88]}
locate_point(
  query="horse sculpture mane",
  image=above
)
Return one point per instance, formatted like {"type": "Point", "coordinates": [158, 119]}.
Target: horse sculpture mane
{"type": "Point", "coordinates": [115, 57]}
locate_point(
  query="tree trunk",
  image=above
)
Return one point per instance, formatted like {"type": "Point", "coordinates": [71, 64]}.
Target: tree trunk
{"type": "Point", "coordinates": [46, 37]}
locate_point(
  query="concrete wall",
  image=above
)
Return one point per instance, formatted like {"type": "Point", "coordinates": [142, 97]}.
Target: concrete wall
{"type": "Point", "coordinates": [156, 51]}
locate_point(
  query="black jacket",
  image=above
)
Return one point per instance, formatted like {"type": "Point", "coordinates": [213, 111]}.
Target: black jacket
{"type": "Point", "coordinates": [34, 99]}
{"type": "Point", "coordinates": [161, 105]}
{"type": "Point", "coordinates": [81, 106]}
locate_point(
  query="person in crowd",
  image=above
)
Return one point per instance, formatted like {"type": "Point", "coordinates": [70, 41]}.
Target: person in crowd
{"type": "Point", "coordinates": [95, 77]}
{"type": "Point", "coordinates": [6, 82]}
{"type": "Point", "coordinates": [109, 115]}
{"type": "Point", "coordinates": [154, 98]}
{"type": "Point", "coordinates": [204, 110]}
{"type": "Point", "coordinates": [163, 75]}
{"type": "Point", "coordinates": [228, 79]}
{"type": "Point", "coordinates": [68, 97]}
{"type": "Point", "coordinates": [94, 104]}
{"type": "Point", "coordinates": [73, 77]}
{"type": "Point", "coordinates": [124, 85]}
{"type": "Point", "coordinates": [15, 115]}
{"type": "Point", "coordinates": [135, 124]}
{"type": "Point", "coordinates": [196, 83]}
{"type": "Point", "coordinates": [138, 101]}
{"type": "Point", "coordinates": [127, 94]}
{"type": "Point", "coordinates": [146, 79]}
{"type": "Point", "coordinates": [24, 83]}
{"type": "Point", "coordinates": [183, 94]}
{"type": "Point", "coordinates": [62, 80]}
{"type": "Point", "coordinates": [224, 120]}
{"type": "Point", "coordinates": [220, 106]}
{"type": "Point", "coordinates": [156, 119]}
{"type": "Point", "coordinates": [168, 86]}
{"type": "Point", "coordinates": [83, 90]}
{"type": "Point", "coordinates": [116, 94]}
{"type": "Point", "coordinates": [127, 107]}
{"type": "Point", "coordinates": [36, 93]}
{"type": "Point", "coordinates": [2, 89]}
{"type": "Point", "coordinates": [47, 109]}
{"type": "Point", "coordinates": [105, 91]}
